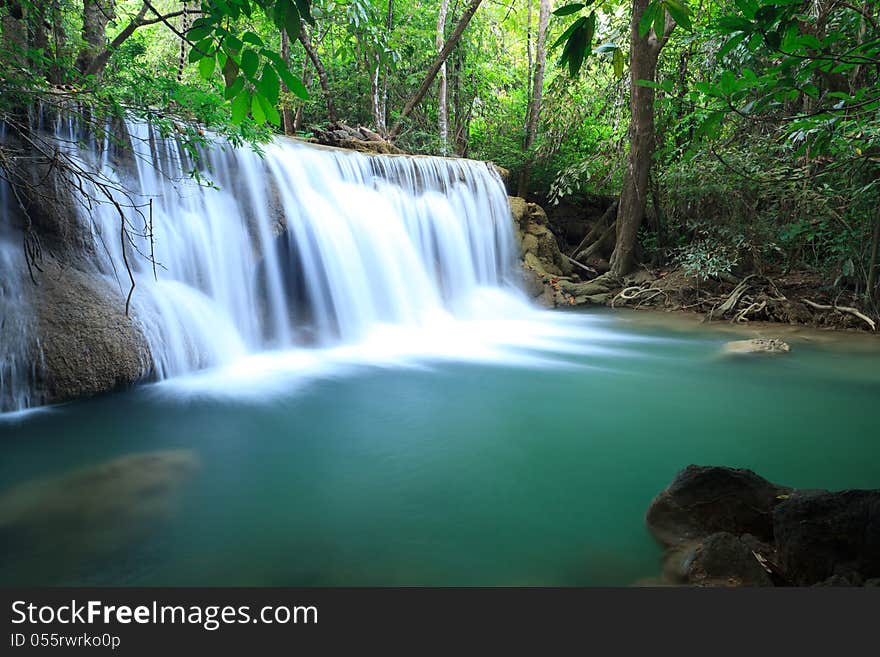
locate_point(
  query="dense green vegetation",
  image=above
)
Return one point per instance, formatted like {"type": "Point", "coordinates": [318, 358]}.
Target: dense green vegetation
{"type": "Point", "coordinates": [743, 135]}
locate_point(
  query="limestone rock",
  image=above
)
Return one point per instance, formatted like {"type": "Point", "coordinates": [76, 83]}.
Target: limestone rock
{"type": "Point", "coordinates": [89, 345]}
{"type": "Point", "coordinates": [537, 242]}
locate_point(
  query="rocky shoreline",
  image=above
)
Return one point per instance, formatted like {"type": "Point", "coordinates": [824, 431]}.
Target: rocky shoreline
{"type": "Point", "coordinates": [726, 527]}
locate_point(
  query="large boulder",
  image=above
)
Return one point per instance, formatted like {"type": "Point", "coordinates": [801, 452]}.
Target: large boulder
{"type": "Point", "coordinates": [822, 535]}
{"type": "Point", "coordinates": [87, 343]}
{"type": "Point", "coordinates": [703, 500]}
{"type": "Point", "coordinates": [721, 559]}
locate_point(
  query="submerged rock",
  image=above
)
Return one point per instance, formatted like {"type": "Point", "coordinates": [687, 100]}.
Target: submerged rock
{"type": "Point", "coordinates": [703, 500]}
{"type": "Point", "coordinates": [94, 510]}
{"type": "Point", "coordinates": [87, 343]}
{"type": "Point", "coordinates": [756, 346]}
{"type": "Point", "coordinates": [820, 535]}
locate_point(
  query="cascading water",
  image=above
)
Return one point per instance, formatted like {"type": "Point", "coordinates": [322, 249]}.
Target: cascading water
{"type": "Point", "coordinates": [302, 246]}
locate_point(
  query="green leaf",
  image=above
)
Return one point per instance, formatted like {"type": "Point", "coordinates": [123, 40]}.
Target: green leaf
{"type": "Point", "coordinates": [240, 106]}
{"type": "Point", "coordinates": [606, 47]}
{"type": "Point", "coordinates": [304, 11]}
{"type": "Point", "coordinates": [680, 14]}
{"type": "Point", "coordinates": [292, 22]}
{"type": "Point", "coordinates": [732, 43]}
{"type": "Point", "coordinates": [257, 110]}
{"type": "Point", "coordinates": [198, 33]}
{"type": "Point", "coordinates": [709, 126]}
{"type": "Point", "coordinates": [568, 32]}
{"type": "Point", "coordinates": [660, 20]}
{"type": "Point", "coordinates": [618, 63]}
{"type": "Point", "coordinates": [250, 61]}
{"type": "Point", "coordinates": [579, 45]}
{"type": "Point", "coordinates": [232, 90]}
{"type": "Point", "coordinates": [206, 67]}
{"type": "Point", "coordinates": [648, 18]}
{"type": "Point", "coordinates": [232, 42]}
{"type": "Point", "coordinates": [747, 7]}
{"type": "Point", "coordinates": [253, 39]}
{"type": "Point", "coordinates": [569, 9]}
{"type": "Point", "coordinates": [268, 84]}
{"type": "Point", "coordinates": [292, 82]}
{"type": "Point", "coordinates": [202, 49]}
{"type": "Point", "coordinates": [731, 24]}
{"type": "Point", "coordinates": [269, 110]}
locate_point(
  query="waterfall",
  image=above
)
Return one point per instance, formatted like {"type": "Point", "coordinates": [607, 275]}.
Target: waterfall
{"type": "Point", "coordinates": [299, 246]}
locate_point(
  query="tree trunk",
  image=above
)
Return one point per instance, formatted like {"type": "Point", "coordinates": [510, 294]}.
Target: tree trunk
{"type": "Point", "coordinates": [442, 118]}
{"type": "Point", "coordinates": [644, 52]}
{"type": "Point", "coordinates": [306, 41]}
{"type": "Point", "coordinates": [536, 96]}
{"type": "Point", "coordinates": [383, 104]}
{"type": "Point", "coordinates": [288, 121]}
{"type": "Point", "coordinates": [375, 92]}
{"type": "Point", "coordinates": [451, 42]}
{"type": "Point", "coordinates": [300, 105]}
{"type": "Point", "coordinates": [528, 68]}
{"type": "Point", "coordinates": [873, 264]}
{"type": "Point", "coordinates": [96, 14]}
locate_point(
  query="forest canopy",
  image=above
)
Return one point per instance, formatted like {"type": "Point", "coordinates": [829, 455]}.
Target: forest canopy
{"type": "Point", "coordinates": [739, 135]}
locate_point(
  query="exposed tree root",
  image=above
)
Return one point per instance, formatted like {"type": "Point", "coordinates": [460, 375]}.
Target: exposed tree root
{"type": "Point", "coordinates": [754, 298]}
{"type": "Point", "coordinates": [843, 309]}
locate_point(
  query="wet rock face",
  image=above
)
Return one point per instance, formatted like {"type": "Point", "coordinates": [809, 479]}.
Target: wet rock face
{"type": "Point", "coordinates": [822, 535]}
{"type": "Point", "coordinates": [703, 500]}
{"type": "Point", "coordinates": [88, 344]}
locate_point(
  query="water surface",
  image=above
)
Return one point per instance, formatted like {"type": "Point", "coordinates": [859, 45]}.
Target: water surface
{"type": "Point", "coordinates": [487, 453]}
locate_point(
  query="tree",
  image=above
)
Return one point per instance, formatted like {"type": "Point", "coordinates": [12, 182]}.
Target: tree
{"type": "Point", "coordinates": [651, 24]}
{"type": "Point", "coordinates": [451, 42]}
{"type": "Point", "coordinates": [534, 105]}
{"type": "Point", "coordinates": [442, 119]}
{"type": "Point", "coordinates": [648, 36]}
{"type": "Point", "coordinates": [323, 80]}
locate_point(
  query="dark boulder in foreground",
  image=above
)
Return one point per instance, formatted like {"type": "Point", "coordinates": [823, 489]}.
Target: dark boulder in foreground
{"type": "Point", "coordinates": [702, 500]}
{"type": "Point", "coordinates": [730, 527]}
{"type": "Point", "coordinates": [820, 535]}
